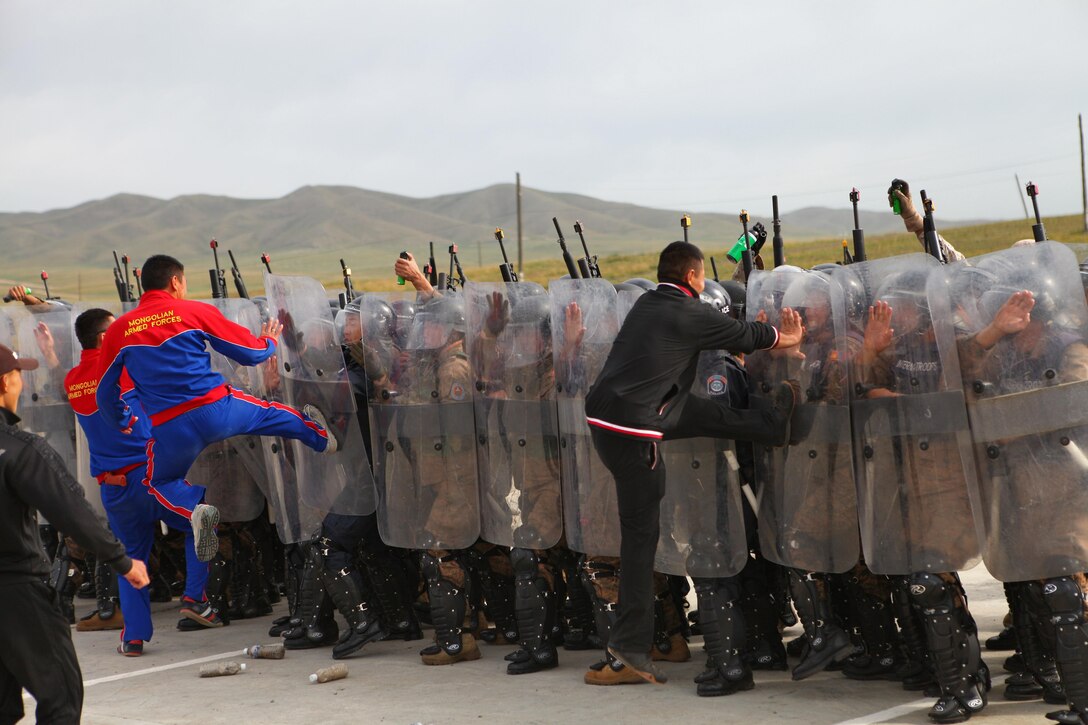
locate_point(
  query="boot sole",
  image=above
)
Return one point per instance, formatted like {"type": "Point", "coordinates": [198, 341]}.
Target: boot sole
{"type": "Point", "coordinates": [648, 676]}
{"type": "Point", "coordinates": [1022, 696]}
{"type": "Point", "coordinates": [356, 647]}
{"type": "Point", "coordinates": [448, 660]}
{"type": "Point", "coordinates": [839, 655]}
{"type": "Point", "coordinates": [207, 541]}
{"type": "Point", "coordinates": [536, 668]}
{"type": "Point", "coordinates": [742, 687]}
{"type": "Point", "coordinates": [636, 681]}
{"type": "Point", "coordinates": [194, 617]}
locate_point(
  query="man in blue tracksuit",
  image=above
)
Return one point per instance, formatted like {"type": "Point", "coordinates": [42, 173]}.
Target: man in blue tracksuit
{"type": "Point", "coordinates": [119, 462]}
{"type": "Point", "coordinates": [162, 345]}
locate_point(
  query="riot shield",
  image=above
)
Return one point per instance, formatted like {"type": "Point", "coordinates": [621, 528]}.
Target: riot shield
{"type": "Point", "coordinates": [509, 344]}
{"type": "Point", "coordinates": [43, 405]}
{"type": "Point", "coordinates": [807, 500]}
{"type": "Point", "coordinates": [917, 488]}
{"type": "Point", "coordinates": [314, 372]}
{"type": "Point", "coordinates": [585, 321]}
{"type": "Point", "coordinates": [272, 462]}
{"type": "Point", "coordinates": [227, 469]}
{"type": "Point", "coordinates": [421, 420]}
{"type": "Point", "coordinates": [1028, 407]}
{"type": "Point", "coordinates": [702, 516]}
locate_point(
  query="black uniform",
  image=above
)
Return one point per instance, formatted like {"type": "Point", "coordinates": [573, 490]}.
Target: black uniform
{"type": "Point", "coordinates": [38, 652]}
{"type": "Point", "coordinates": [643, 395]}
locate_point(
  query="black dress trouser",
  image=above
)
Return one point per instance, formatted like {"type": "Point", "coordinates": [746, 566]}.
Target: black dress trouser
{"type": "Point", "coordinates": [639, 470]}
{"type": "Point", "coordinates": [37, 654]}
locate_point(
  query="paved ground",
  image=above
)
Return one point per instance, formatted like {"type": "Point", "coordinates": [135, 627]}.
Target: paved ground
{"type": "Point", "coordinates": [387, 683]}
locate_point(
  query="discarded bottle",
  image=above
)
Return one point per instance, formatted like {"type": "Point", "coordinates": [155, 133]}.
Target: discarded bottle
{"type": "Point", "coordinates": [328, 674]}
{"type": "Point", "coordinates": [265, 651]}
{"type": "Point", "coordinates": [221, 669]}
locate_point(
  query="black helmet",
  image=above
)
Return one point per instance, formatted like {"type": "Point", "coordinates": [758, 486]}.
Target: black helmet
{"type": "Point", "coordinates": [404, 311]}
{"type": "Point", "coordinates": [446, 313]}
{"type": "Point", "coordinates": [377, 316]}
{"type": "Point", "coordinates": [642, 283]}
{"type": "Point", "coordinates": [716, 296]}
{"type": "Point", "coordinates": [737, 297]}
{"type": "Point", "coordinates": [532, 309]}
{"type": "Point", "coordinates": [628, 287]}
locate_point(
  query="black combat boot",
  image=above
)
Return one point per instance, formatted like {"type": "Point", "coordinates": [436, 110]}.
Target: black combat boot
{"type": "Point", "coordinates": [954, 649]}
{"type": "Point", "coordinates": [1064, 598]}
{"type": "Point", "coordinates": [448, 603]}
{"type": "Point", "coordinates": [535, 606]}
{"type": "Point", "coordinates": [826, 641]}
{"type": "Point", "coordinates": [723, 626]}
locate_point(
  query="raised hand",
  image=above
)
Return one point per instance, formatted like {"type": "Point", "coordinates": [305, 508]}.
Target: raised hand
{"type": "Point", "coordinates": [573, 329]}
{"type": "Point", "coordinates": [498, 314]}
{"type": "Point", "coordinates": [1015, 314]}
{"type": "Point", "coordinates": [790, 329]}
{"type": "Point", "coordinates": [878, 330]}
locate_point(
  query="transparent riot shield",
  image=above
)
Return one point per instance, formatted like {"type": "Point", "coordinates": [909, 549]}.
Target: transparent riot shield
{"type": "Point", "coordinates": [43, 405]}
{"type": "Point", "coordinates": [421, 420]}
{"type": "Point", "coordinates": [1028, 407]}
{"type": "Point", "coordinates": [509, 344]}
{"type": "Point", "coordinates": [917, 486]}
{"type": "Point", "coordinates": [702, 516]}
{"type": "Point", "coordinates": [271, 461]}
{"type": "Point", "coordinates": [228, 469]}
{"type": "Point", "coordinates": [314, 372]}
{"type": "Point", "coordinates": [808, 516]}
{"type": "Point", "coordinates": [585, 321]}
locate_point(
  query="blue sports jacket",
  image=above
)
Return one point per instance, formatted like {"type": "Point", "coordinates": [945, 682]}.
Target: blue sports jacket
{"type": "Point", "coordinates": [163, 344]}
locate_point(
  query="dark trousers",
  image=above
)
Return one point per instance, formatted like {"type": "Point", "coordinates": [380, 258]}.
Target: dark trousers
{"type": "Point", "coordinates": [37, 654]}
{"type": "Point", "coordinates": [640, 485]}
{"type": "Point", "coordinates": [639, 471]}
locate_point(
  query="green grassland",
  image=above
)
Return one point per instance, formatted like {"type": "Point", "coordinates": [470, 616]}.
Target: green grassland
{"type": "Point", "coordinates": [75, 283]}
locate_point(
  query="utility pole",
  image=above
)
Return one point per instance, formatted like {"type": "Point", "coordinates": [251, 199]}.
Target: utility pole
{"type": "Point", "coordinates": [1083, 184]}
{"type": "Point", "coordinates": [1020, 193]}
{"type": "Point", "coordinates": [520, 259]}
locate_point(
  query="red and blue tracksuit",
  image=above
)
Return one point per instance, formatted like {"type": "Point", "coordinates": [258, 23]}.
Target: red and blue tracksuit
{"type": "Point", "coordinates": [133, 509]}
{"type": "Point", "coordinates": [162, 344]}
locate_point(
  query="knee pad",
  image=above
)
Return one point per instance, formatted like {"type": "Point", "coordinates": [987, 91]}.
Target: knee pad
{"type": "Point", "coordinates": [1064, 599]}
{"type": "Point", "coordinates": [725, 589]}
{"type": "Point", "coordinates": [525, 562]}
{"type": "Point", "coordinates": [447, 567]}
{"type": "Point", "coordinates": [930, 592]}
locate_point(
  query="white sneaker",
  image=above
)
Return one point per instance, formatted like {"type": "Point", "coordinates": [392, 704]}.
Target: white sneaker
{"type": "Point", "coordinates": [312, 412]}
{"type": "Point", "coordinates": [206, 542]}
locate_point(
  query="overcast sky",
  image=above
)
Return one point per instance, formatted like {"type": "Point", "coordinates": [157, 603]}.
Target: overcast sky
{"type": "Point", "coordinates": [692, 106]}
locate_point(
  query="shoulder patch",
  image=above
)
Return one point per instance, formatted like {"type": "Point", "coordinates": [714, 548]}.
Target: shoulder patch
{"type": "Point", "coordinates": [716, 385]}
{"type": "Point", "coordinates": [457, 392]}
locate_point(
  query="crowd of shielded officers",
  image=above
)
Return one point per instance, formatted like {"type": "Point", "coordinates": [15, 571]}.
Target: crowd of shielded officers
{"type": "Point", "coordinates": [496, 470]}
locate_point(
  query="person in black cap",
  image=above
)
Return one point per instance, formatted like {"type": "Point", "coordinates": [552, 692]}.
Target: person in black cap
{"type": "Point", "coordinates": [38, 652]}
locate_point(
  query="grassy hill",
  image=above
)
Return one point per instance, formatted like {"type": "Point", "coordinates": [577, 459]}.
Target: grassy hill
{"type": "Point", "coordinates": [96, 282]}
{"type": "Point", "coordinates": [309, 230]}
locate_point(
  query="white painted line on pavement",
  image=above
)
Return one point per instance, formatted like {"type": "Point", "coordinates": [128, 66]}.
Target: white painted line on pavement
{"type": "Point", "coordinates": [161, 668]}
{"type": "Point", "coordinates": [153, 670]}
{"type": "Point", "coordinates": [890, 712]}
{"type": "Point", "coordinates": [903, 709]}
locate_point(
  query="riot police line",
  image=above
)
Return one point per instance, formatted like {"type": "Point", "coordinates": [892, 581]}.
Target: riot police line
{"type": "Point", "coordinates": [941, 425]}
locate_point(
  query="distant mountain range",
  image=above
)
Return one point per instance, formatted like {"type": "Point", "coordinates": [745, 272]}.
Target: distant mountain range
{"type": "Point", "coordinates": [368, 228]}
